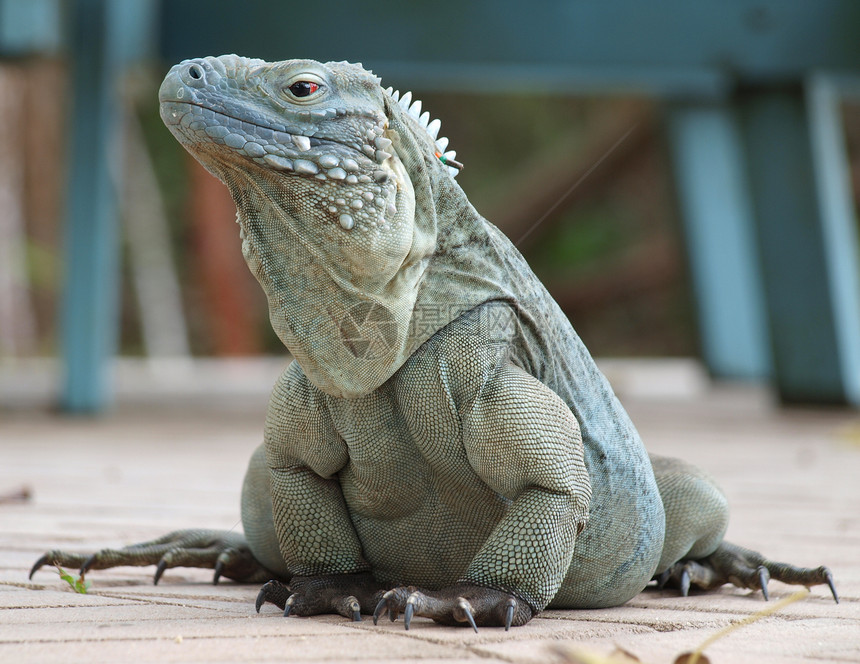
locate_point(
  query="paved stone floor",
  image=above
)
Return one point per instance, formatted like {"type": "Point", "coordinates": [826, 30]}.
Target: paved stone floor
{"type": "Point", "coordinates": [170, 457]}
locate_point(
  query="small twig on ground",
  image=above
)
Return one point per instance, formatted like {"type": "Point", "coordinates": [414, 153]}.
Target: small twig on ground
{"type": "Point", "coordinates": [22, 495]}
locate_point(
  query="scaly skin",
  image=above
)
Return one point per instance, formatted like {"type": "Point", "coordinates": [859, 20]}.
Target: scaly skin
{"type": "Point", "coordinates": [444, 444]}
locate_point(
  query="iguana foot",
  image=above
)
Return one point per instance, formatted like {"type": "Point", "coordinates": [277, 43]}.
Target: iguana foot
{"type": "Point", "coordinates": [225, 552]}
{"type": "Point", "coordinates": [460, 604]}
{"type": "Point", "coordinates": [348, 595]}
{"type": "Point", "coordinates": [743, 568]}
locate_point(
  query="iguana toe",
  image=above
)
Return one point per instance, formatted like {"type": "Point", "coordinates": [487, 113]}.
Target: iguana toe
{"type": "Point", "coordinates": [159, 570]}
{"type": "Point", "coordinates": [41, 562]}
{"type": "Point", "coordinates": [57, 557]}
{"type": "Point", "coordinates": [408, 613]}
{"type": "Point", "coordinates": [763, 578]}
{"type": "Point", "coordinates": [393, 603]}
{"type": "Point", "coordinates": [352, 606]}
{"type": "Point", "coordinates": [463, 613]}
{"type": "Point", "coordinates": [272, 591]}
{"type": "Point", "coordinates": [222, 561]}
{"type": "Point", "coordinates": [462, 610]}
{"type": "Point", "coordinates": [509, 613]}
{"type": "Point", "coordinates": [684, 584]}
{"type": "Point", "coordinates": [828, 577]}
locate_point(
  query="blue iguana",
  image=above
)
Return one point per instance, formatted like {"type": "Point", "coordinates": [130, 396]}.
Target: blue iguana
{"type": "Point", "coordinates": [443, 444]}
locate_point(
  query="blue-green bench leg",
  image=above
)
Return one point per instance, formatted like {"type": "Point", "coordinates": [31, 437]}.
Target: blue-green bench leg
{"type": "Point", "coordinates": [708, 159]}
{"type": "Point", "coordinates": [807, 238]}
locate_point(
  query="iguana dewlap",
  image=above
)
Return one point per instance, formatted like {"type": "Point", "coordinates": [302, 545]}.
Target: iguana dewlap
{"type": "Point", "coordinates": [444, 444]}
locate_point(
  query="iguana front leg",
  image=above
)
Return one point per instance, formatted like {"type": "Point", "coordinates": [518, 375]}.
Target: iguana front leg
{"type": "Point", "coordinates": [524, 442]}
{"type": "Point", "coordinates": [320, 546]}
{"type": "Point", "coordinates": [317, 540]}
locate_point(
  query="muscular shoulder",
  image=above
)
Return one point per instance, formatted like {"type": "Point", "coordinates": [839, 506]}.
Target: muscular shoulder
{"type": "Point", "coordinates": [299, 428]}
{"type": "Point", "coordinates": [462, 358]}
{"type": "Point", "coordinates": [515, 431]}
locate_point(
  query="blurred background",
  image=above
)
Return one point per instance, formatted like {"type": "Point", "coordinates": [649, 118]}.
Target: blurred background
{"type": "Point", "coordinates": [682, 176]}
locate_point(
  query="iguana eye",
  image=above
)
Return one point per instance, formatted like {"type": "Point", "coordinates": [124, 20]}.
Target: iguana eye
{"type": "Point", "coordinates": [304, 88]}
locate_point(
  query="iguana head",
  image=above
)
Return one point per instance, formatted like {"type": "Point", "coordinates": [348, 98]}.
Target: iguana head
{"type": "Point", "coordinates": [337, 184]}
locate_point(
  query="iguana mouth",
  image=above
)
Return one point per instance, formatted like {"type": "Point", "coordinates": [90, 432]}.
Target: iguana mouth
{"type": "Point", "coordinates": [273, 147]}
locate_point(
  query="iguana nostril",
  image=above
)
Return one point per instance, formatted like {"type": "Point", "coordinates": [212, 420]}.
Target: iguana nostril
{"type": "Point", "coordinates": [195, 72]}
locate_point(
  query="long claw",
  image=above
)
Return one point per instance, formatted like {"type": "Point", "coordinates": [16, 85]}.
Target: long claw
{"type": "Point", "coordinates": [685, 582]}
{"type": "Point", "coordinates": [380, 610]}
{"type": "Point", "coordinates": [408, 613]}
{"type": "Point", "coordinates": [38, 565]}
{"type": "Point", "coordinates": [509, 614]}
{"type": "Point", "coordinates": [89, 562]}
{"type": "Point", "coordinates": [349, 607]}
{"type": "Point", "coordinates": [287, 608]}
{"type": "Point", "coordinates": [162, 565]}
{"type": "Point", "coordinates": [763, 578]}
{"type": "Point", "coordinates": [664, 578]}
{"type": "Point", "coordinates": [468, 612]}
{"type": "Point", "coordinates": [219, 568]}
{"type": "Point", "coordinates": [261, 599]}
{"type": "Point", "coordinates": [829, 578]}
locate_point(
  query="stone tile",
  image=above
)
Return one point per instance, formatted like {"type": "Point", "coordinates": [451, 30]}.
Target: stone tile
{"type": "Point", "coordinates": [352, 646]}
{"type": "Point", "coordinates": [187, 622]}
{"type": "Point", "coordinates": [102, 610]}
{"type": "Point", "coordinates": [15, 598]}
{"type": "Point", "coordinates": [538, 629]}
